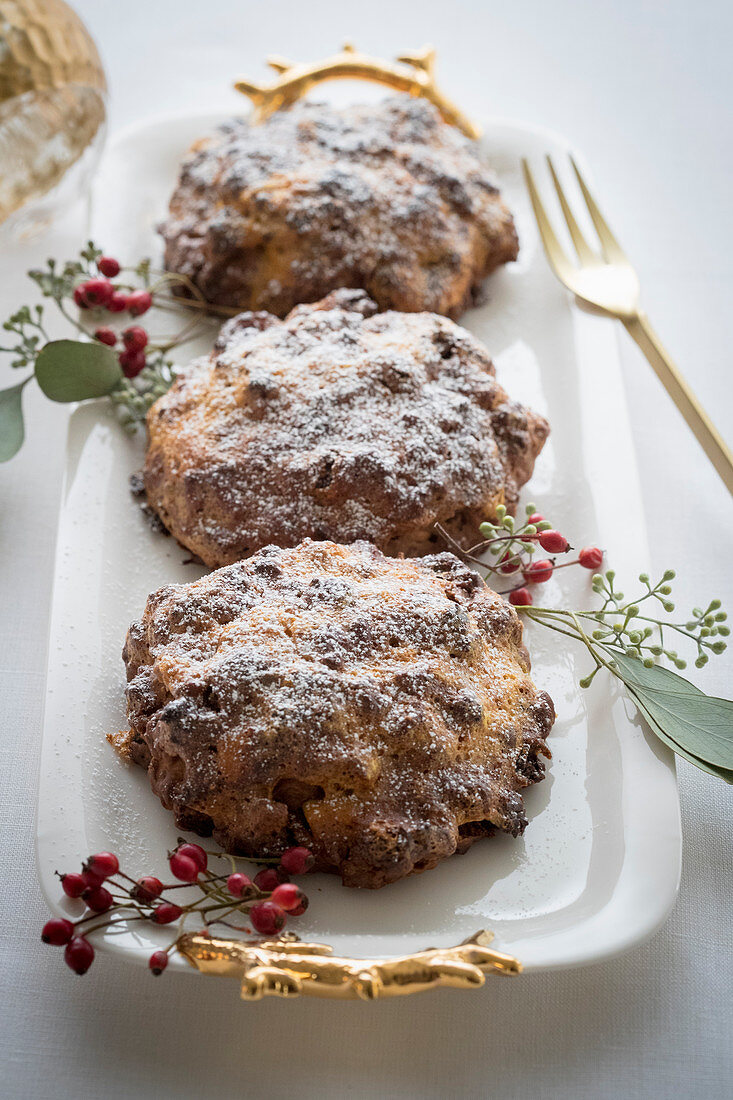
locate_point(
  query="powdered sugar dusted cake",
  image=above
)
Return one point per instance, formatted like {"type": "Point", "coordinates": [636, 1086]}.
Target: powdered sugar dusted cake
{"type": "Point", "coordinates": [376, 710]}
{"type": "Point", "coordinates": [385, 196]}
{"type": "Point", "coordinates": [337, 423]}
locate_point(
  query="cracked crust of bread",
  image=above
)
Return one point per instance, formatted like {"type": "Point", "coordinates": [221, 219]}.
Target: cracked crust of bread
{"type": "Point", "coordinates": [376, 710]}
{"type": "Point", "coordinates": [386, 196]}
{"type": "Point", "coordinates": [337, 423]}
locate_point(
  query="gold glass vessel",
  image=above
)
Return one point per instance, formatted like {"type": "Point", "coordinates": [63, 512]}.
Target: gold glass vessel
{"type": "Point", "coordinates": [53, 95]}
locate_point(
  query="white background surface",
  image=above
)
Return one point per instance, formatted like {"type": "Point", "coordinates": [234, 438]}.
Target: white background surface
{"type": "Point", "coordinates": [645, 90]}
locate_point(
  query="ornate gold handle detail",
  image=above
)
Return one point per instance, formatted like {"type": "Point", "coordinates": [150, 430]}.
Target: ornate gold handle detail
{"type": "Point", "coordinates": [289, 968]}
{"type": "Point", "coordinates": [412, 72]}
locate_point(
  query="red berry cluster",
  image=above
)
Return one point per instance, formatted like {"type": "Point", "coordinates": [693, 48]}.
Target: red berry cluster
{"type": "Point", "coordinates": [88, 885]}
{"type": "Point", "coordinates": [268, 899]}
{"type": "Point", "coordinates": [537, 572]}
{"type": "Point", "coordinates": [101, 294]}
{"type": "Point", "coordinates": [513, 547]}
{"type": "Point", "coordinates": [518, 544]}
{"type": "Point", "coordinates": [538, 530]}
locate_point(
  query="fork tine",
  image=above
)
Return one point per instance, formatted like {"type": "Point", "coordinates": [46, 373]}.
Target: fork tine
{"type": "Point", "coordinates": [611, 248]}
{"type": "Point", "coordinates": [585, 252]}
{"type": "Point", "coordinates": [553, 249]}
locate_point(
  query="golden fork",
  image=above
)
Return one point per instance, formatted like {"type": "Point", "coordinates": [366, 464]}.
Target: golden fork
{"type": "Point", "coordinates": [606, 280]}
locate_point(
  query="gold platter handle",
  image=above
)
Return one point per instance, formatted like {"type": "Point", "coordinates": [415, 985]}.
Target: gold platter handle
{"type": "Point", "coordinates": [411, 72]}
{"type": "Point", "coordinates": [289, 968]}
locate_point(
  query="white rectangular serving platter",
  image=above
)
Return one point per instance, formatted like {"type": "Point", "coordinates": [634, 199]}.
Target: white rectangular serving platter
{"type": "Point", "coordinates": [598, 867]}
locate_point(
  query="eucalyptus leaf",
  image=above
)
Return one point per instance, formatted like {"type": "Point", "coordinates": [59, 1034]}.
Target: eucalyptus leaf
{"type": "Point", "coordinates": [656, 678]}
{"type": "Point", "coordinates": [12, 431]}
{"type": "Point", "coordinates": [69, 370]}
{"type": "Point", "coordinates": [700, 724]}
{"type": "Point", "coordinates": [721, 773]}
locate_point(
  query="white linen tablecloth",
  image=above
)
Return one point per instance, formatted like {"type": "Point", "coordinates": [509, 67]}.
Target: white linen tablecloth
{"type": "Point", "coordinates": [644, 88]}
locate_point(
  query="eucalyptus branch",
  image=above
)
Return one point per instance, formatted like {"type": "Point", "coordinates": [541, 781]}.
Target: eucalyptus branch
{"type": "Point", "coordinates": [626, 637]}
{"type": "Point", "coordinates": [629, 644]}
{"type": "Point", "coordinates": [97, 297]}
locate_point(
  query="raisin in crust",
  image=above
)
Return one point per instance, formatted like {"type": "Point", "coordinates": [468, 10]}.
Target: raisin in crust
{"type": "Point", "coordinates": [377, 710]}
{"type": "Point", "coordinates": [338, 423]}
{"type": "Point", "coordinates": [385, 196]}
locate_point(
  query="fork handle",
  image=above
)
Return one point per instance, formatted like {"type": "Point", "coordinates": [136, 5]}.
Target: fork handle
{"type": "Point", "coordinates": [707, 434]}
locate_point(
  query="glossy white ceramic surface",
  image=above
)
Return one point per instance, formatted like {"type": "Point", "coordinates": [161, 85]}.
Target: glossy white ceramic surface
{"type": "Point", "coordinates": [598, 866]}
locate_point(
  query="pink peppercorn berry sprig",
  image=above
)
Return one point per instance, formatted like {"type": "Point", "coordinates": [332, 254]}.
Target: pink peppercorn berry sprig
{"type": "Point", "coordinates": [93, 283]}
{"type": "Point", "coordinates": [101, 300]}
{"type": "Point", "coordinates": [147, 371]}
{"type": "Point", "coordinates": [268, 900]}
{"type": "Point", "coordinates": [97, 291]}
{"type": "Point", "coordinates": [514, 543]}
{"type": "Point", "coordinates": [537, 572]}
{"type": "Point", "coordinates": [100, 294]}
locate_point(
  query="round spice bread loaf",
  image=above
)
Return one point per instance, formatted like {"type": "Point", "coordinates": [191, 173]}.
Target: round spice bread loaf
{"type": "Point", "coordinates": [384, 196]}
{"type": "Point", "coordinates": [337, 423]}
{"type": "Point", "coordinates": [376, 710]}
